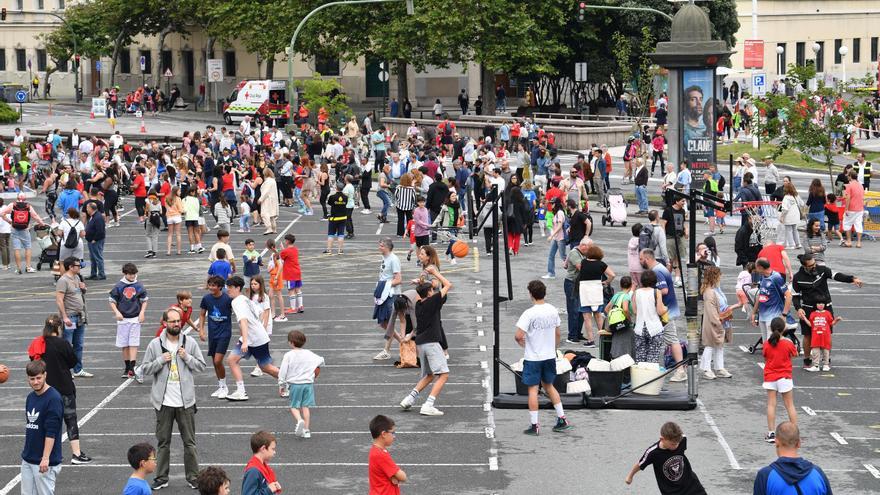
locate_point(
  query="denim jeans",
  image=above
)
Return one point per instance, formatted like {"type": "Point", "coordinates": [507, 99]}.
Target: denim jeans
{"type": "Point", "coordinates": [573, 308]}
{"type": "Point", "coordinates": [76, 337]}
{"type": "Point", "coordinates": [605, 179]}
{"type": "Point", "coordinates": [244, 222]}
{"type": "Point", "coordinates": [818, 216]}
{"type": "Point", "coordinates": [551, 259]}
{"type": "Point", "coordinates": [642, 197]}
{"type": "Point", "coordinates": [96, 258]}
{"type": "Point", "coordinates": [386, 201]}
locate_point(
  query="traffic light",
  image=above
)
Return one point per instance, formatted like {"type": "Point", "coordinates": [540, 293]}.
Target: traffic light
{"type": "Point", "coordinates": [581, 8]}
{"type": "Point", "coordinates": [3, 14]}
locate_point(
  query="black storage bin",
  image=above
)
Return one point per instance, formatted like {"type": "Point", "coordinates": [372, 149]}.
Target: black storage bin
{"type": "Point", "coordinates": [605, 383]}
{"type": "Point", "coordinates": [560, 383]}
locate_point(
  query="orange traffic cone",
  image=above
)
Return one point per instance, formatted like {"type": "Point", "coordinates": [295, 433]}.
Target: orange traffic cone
{"type": "Point", "coordinates": [143, 127]}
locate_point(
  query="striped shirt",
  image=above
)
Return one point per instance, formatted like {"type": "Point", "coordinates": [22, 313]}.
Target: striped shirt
{"type": "Point", "coordinates": [405, 198]}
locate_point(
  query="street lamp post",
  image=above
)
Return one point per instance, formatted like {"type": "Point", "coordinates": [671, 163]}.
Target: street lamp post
{"type": "Point", "coordinates": [290, 51]}
{"type": "Point", "coordinates": [843, 51]}
{"type": "Point", "coordinates": [779, 51]}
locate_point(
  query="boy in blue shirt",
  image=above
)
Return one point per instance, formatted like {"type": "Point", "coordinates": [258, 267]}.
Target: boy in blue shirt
{"type": "Point", "coordinates": [774, 298]}
{"type": "Point", "coordinates": [142, 458]}
{"type": "Point", "coordinates": [128, 300]}
{"type": "Point", "coordinates": [252, 261]}
{"type": "Point", "coordinates": [216, 309]}
{"type": "Point", "coordinates": [41, 455]}
{"type": "Point", "coordinates": [221, 266]}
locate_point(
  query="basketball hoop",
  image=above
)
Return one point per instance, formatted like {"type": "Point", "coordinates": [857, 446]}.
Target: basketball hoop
{"type": "Point", "coordinates": [764, 214]}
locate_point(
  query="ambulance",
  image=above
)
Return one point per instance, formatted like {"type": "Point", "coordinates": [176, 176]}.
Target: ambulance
{"type": "Point", "coordinates": [258, 99]}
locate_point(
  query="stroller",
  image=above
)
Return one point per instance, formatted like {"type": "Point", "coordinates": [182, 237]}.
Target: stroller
{"type": "Point", "coordinates": [615, 208]}
{"type": "Point", "coordinates": [791, 324]}
{"type": "Point", "coordinates": [50, 247]}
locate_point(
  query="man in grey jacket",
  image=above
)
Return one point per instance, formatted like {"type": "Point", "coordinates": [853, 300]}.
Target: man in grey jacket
{"type": "Point", "coordinates": [171, 359]}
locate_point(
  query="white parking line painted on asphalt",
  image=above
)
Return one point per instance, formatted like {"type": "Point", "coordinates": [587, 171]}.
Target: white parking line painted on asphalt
{"type": "Point", "coordinates": [809, 411]}
{"type": "Point", "coordinates": [731, 458]}
{"type": "Point", "coordinates": [819, 387]}
{"type": "Point", "coordinates": [874, 471]}
{"type": "Point", "coordinates": [839, 438]}
{"type": "Point", "coordinates": [827, 411]}
{"type": "Point", "coordinates": [274, 464]}
{"type": "Point", "coordinates": [249, 433]}
{"type": "Point", "coordinates": [264, 406]}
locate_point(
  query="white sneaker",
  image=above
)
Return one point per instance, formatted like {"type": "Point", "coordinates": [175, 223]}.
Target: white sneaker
{"type": "Point", "coordinates": [307, 434]}
{"type": "Point", "coordinates": [427, 410]}
{"type": "Point", "coordinates": [238, 395]}
{"type": "Point", "coordinates": [223, 393]}
{"type": "Point", "coordinates": [826, 368]}
{"type": "Point", "coordinates": [708, 375]}
{"type": "Point", "coordinates": [257, 371]}
{"type": "Point", "coordinates": [285, 393]}
{"type": "Point", "coordinates": [83, 374]}
{"type": "Point", "coordinates": [812, 369]}
{"type": "Point", "coordinates": [366, 212]}
{"type": "Point", "coordinates": [30, 269]}
{"type": "Point", "coordinates": [382, 356]}
{"type": "Point", "coordinates": [300, 428]}
{"type": "Point", "coordinates": [280, 318]}
{"type": "Point", "coordinates": [677, 282]}
{"type": "Point", "coordinates": [407, 402]}
{"type": "Point", "coordinates": [139, 374]}
{"type": "Point", "coordinates": [723, 373]}
{"type": "Point", "coordinates": [217, 392]}
{"type": "Point", "coordinates": [548, 276]}
{"type": "Point", "coordinates": [679, 376]}
{"type": "Point", "coordinates": [453, 261]}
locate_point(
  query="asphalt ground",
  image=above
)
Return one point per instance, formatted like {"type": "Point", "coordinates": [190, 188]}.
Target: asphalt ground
{"type": "Point", "coordinates": [448, 454]}
{"type": "Point", "coordinates": [472, 449]}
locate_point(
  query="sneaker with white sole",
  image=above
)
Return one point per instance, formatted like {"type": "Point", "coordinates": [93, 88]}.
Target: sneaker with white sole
{"type": "Point", "coordinates": [138, 374]}
{"type": "Point", "coordinates": [285, 392]}
{"type": "Point", "coordinates": [82, 458]}
{"type": "Point", "coordinates": [158, 485]}
{"type": "Point", "coordinates": [307, 434]}
{"type": "Point", "coordinates": [770, 437]}
{"type": "Point", "coordinates": [300, 428]}
{"type": "Point", "coordinates": [257, 371]}
{"type": "Point", "coordinates": [723, 373]}
{"type": "Point", "coordinates": [826, 368]}
{"type": "Point", "coordinates": [427, 410]}
{"type": "Point", "coordinates": [679, 376]}
{"type": "Point", "coordinates": [382, 356]}
{"type": "Point", "coordinates": [280, 318]}
{"type": "Point", "coordinates": [220, 390]}
{"type": "Point", "coordinates": [812, 369]}
{"type": "Point", "coordinates": [709, 375]}
{"type": "Point", "coordinates": [407, 402]}
{"type": "Point", "coordinates": [82, 374]}
{"type": "Point", "coordinates": [548, 276]}
{"type": "Point", "coordinates": [238, 395]}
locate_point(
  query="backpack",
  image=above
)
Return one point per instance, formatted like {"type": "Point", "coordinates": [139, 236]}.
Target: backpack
{"type": "Point", "coordinates": [155, 218]}
{"type": "Point", "coordinates": [646, 237]}
{"type": "Point", "coordinates": [447, 128]}
{"type": "Point", "coordinates": [21, 215]}
{"type": "Point", "coordinates": [617, 318]}
{"type": "Point", "coordinates": [72, 239]}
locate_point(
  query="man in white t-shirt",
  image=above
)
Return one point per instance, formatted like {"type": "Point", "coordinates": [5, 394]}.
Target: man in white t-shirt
{"type": "Point", "coordinates": [537, 331]}
{"type": "Point", "coordinates": [254, 340]}
{"type": "Point", "coordinates": [116, 140]}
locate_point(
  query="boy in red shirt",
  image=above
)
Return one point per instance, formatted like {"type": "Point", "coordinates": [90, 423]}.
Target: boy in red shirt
{"type": "Point", "coordinates": [292, 275]}
{"type": "Point", "coordinates": [385, 475]}
{"type": "Point", "coordinates": [822, 324]}
{"type": "Point", "coordinates": [259, 478]}
{"type": "Point", "coordinates": [184, 306]}
{"type": "Point", "coordinates": [778, 352]}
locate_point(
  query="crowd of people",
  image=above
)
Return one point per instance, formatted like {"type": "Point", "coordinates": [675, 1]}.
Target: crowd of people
{"type": "Point", "coordinates": [437, 180]}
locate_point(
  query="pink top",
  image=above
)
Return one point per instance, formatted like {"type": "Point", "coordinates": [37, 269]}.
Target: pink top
{"type": "Point", "coordinates": [632, 255]}
{"type": "Point", "coordinates": [856, 196]}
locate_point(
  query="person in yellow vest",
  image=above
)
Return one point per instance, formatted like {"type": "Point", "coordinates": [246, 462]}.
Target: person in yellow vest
{"type": "Point", "coordinates": [863, 169]}
{"type": "Point", "coordinates": [710, 186]}
{"type": "Point", "coordinates": [36, 84]}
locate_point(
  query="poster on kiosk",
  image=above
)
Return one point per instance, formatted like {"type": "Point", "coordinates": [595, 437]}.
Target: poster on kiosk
{"type": "Point", "coordinates": [698, 121]}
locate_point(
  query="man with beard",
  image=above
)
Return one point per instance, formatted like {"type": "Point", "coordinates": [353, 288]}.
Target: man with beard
{"type": "Point", "coordinates": [172, 359]}
{"type": "Point", "coordinates": [694, 127]}
{"type": "Point", "coordinates": [810, 285]}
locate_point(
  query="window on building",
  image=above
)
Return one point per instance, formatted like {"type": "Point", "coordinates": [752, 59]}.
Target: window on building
{"type": "Point", "coordinates": [166, 61]}
{"type": "Point", "coordinates": [2, 59]}
{"type": "Point", "coordinates": [20, 60]}
{"type": "Point", "coordinates": [60, 4]}
{"type": "Point", "coordinates": [40, 5]}
{"type": "Point", "coordinates": [326, 66]}
{"type": "Point", "coordinates": [19, 4]}
{"type": "Point", "coordinates": [148, 58]}
{"type": "Point", "coordinates": [837, 45]}
{"type": "Point", "coordinates": [857, 50]}
{"type": "Point", "coordinates": [874, 43]}
{"type": "Point", "coordinates": [41, 59]}
{"type": "Point", "coordinates": [820, 57]}
{"type": "Point", "coordinates": [125, 61]}
{"type": "Point", "coordinates": [229, 63]}
{"type": "Point", "coordinates": [800, 54]}
{"type": "Point", "coordinates": [780, 59]}
{"type": "Point", "coordinates": [189, 67]}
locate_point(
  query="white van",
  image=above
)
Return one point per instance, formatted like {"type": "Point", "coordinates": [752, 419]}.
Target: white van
{"type": "Point", "coordinates": [262, 100]}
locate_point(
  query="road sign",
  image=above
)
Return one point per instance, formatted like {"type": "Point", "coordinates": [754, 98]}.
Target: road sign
{"type": "Point", "coordinates": [98, 65]}
{"type": "Point", "coordinates": [753, 58]}
{"type": "Point", "coordinates": [383, 75]}
{"type": "Point", "coordinates": [143, 62]}
{"type": "Point", "coordinates": [580, 72]}
{"type": "Point", "coordinates": [99, 106]}
{"type": "Point", "coordinates": [21, 96]}
{"type": "Point", "coordinates": [168, 73]}
{"type": "Point", "coordinates": [759, 84]}
{"type": "Point", "coordinates": [215, 70]}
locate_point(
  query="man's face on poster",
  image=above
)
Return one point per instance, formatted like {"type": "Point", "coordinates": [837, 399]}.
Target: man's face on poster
{"type": "Point", "coordinates": [694, 105]}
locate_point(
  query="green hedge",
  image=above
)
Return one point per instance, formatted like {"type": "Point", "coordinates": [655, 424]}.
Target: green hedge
{"type": "Point", "coordinates": [7, 114]}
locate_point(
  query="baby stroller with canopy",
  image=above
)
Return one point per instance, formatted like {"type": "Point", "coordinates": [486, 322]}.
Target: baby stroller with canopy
{"type": "Point", "coordinates": [615, 208]}
{"type": "Point", "coordinates": [50, 247]}
{"type": "Point", "coordinates": [791, 323]}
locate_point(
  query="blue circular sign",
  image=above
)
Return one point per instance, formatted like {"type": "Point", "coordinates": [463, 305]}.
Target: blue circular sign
{"type": "Point", "coordinates": [21, 96]}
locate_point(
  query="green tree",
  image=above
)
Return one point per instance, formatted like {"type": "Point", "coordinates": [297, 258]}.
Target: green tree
{"type": "Point", "coordinates": [320, 93]}
{"type": "Point", "coordinates": [636, 70]}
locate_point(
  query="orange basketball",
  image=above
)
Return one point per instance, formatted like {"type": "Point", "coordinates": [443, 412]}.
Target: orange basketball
{"type": "Point", "coordinates": [4, 374]}
{"type": "Point", "coordinates": [460, 249]}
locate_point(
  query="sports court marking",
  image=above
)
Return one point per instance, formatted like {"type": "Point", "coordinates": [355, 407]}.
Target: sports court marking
{"type": "Point", "coordinates": [249, 433]}
{"type": "Point", "coordinates": [731, 458]}
{"type": "Point", "coordinates": [274, 464]}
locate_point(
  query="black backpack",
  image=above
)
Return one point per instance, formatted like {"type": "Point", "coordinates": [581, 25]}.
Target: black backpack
{"type": "Point", "coordinates": [155, 218]}
{"type": "Point", "coordinates": [646, 237]}
{"type": "Point", "coordinates": [72, 239]}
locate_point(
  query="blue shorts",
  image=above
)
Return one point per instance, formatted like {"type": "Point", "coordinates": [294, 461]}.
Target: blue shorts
{"type": "Point", "coordinates": [336, 228]}
{"type": "Point", "coordinates": [591, 309]}
{"type": "Point", "coordinates": [535, 372]}
{"type": "Point", "coordinates": [293, 284]}
{"type": "Point", "coordinates": [218, 344]}
{"type": "Point", "coordinates": [260, 353]}
{"type": "Point", "coordinates": [302, 395]}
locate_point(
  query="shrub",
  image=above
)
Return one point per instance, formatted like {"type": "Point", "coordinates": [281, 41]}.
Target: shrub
{"type": "Point", "coordinates": [7, 114]}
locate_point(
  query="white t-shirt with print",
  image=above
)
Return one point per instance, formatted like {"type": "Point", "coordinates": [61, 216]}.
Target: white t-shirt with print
{"type": "Point", "coordinates": [245, 309]}
{"type": "Point", "coordinates": [539, 323]}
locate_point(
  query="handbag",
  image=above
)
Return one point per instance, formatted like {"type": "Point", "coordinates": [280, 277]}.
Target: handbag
{"type": "Point", "coordinates": [408, 357]}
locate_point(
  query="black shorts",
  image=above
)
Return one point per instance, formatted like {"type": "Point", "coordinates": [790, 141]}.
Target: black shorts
{"type": "Point", "coordinates": [336, 228]}
{"type": "Point", "coordinates": [192, 223]}
{"type": "Point", "coordinates": [140, 205]}
{"type": "Point", "coordinates": [805, 328]}
{"type": "Point", "coordinates": [423, 240]}
{"type": "Point", "coordinates": [218, 344]}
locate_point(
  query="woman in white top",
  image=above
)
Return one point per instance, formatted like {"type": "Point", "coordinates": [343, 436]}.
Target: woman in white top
{"type": "Point", "coordinates": [789, 217]}
{"type": "Point", "coordinates": [647, 304]}
{"type": "Point", "coordinates": [72, 222]}
{"type": "Point", "coordinates": [257, 293]}
{"type": "Point", "coordinates": [438, 109]}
